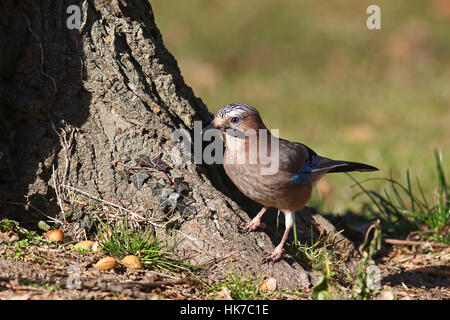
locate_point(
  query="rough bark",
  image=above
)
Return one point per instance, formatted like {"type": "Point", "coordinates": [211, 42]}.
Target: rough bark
{"type": "Point", "coordinates": [76, 103]}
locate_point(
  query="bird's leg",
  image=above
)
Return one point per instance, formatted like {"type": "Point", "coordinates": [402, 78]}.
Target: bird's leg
{"type": "Point", "coordinates": [256, 221]}
{"type": "Point", "coordinates": [278, 252]}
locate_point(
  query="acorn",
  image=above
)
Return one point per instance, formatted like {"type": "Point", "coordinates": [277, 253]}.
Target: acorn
{"type": "Point", "coordinates": [55, 235]}
{"type": "Point", "coordinates": [106, 263]}
{"type": "Point", "coordinates": [132, 262]}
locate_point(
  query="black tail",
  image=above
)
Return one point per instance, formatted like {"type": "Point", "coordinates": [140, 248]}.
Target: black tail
{"type": "Point", "coordinates": [321, 165]}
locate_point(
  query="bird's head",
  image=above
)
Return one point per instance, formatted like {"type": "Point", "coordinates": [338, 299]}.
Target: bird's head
{"type": "Point", "coordinates": [237, 119]}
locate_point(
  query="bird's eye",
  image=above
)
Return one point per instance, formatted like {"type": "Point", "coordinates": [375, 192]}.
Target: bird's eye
{"type": "Point", "coordinates": [234, 120]}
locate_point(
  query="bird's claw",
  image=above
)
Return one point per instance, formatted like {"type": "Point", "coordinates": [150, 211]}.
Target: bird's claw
{"type": "Point", "coordinates": [252, 226]}
{"type": "Point", "coordinates": [273, 256]}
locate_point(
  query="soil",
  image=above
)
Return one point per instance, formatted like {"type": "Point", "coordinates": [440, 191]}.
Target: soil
{"type": "Point", "coordinates": [52, 273]}
{"type": "Point", "coordinates": [56, 276]}
{"type": "Point", "coordinates": [418, 274]}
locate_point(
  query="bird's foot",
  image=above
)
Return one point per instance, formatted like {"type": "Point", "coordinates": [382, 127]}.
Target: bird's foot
{"type": "Point", "coordinates": [275, 255]}
{"type": "Point", "coordinates": [253, 225]}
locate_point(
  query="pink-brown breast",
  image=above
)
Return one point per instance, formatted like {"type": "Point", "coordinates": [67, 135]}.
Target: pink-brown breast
{"type": "Point", "coordinates": [271, 190]}
{"type": "Point", "coordinates": [274, 190]}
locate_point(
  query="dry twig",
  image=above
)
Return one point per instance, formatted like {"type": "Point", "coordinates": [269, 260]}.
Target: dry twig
{"type": "Point", "coordinates": [415, 243]}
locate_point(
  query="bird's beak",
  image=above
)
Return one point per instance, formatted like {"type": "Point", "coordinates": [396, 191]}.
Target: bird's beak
{"type": "Point", "coordinates": [214, 125]}
{"type": "Point", "coordinates": [223, 128]}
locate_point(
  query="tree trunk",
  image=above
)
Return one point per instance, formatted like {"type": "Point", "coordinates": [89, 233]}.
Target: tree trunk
{"type": "Point", "coordinates": [77, 105]}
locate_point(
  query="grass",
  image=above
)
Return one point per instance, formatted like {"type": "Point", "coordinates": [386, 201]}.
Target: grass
{"type": "Point", "coordinates": [155, 250]}
{"type": "Point", "coordinates": [317, 252]}
{"type": "Point", "coordinates": [247, 287]}
{"type": "Point", "coordinates": [26, 239]}
{"type": "Point", "coordinates": [404, 209]}
{"type": "Point", "coordinates": [8, 225]}
{"type": "Point", "coordinates": [363, 284]}
{"type": "Point", "coordinates": [240, 287]}
{"type": "Point", "coordinates": [20, 248]}
{"type": "Point", "coordinates": [325, 289]}
{"type": "Point", "coordinates": [47, 286]}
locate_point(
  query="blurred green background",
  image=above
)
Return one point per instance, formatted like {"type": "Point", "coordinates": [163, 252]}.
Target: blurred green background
{"type": "Point", "coordinates": [315, 72]}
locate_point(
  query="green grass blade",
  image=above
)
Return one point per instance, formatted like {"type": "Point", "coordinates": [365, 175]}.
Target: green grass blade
{"type": "Point", "coordinates": [398, 184]}
{"type": "Point", "coordinates": [442, 184]}
{"type": "Point", "coordinates": [410, 192]}
{"type": "Point", "coordinates": [396, 193]}
{"type": "Point", "coordinates": [425, 202]}
{"type": "Point", "coordinates": [380, 208]}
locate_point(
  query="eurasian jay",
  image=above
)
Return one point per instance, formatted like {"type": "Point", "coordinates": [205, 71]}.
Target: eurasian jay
{"type": "Point", "coordinates": [297, 168]}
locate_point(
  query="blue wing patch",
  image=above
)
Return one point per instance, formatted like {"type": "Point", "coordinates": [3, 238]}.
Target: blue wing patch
{"type": "Point", "coordinates": [302, 177]}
